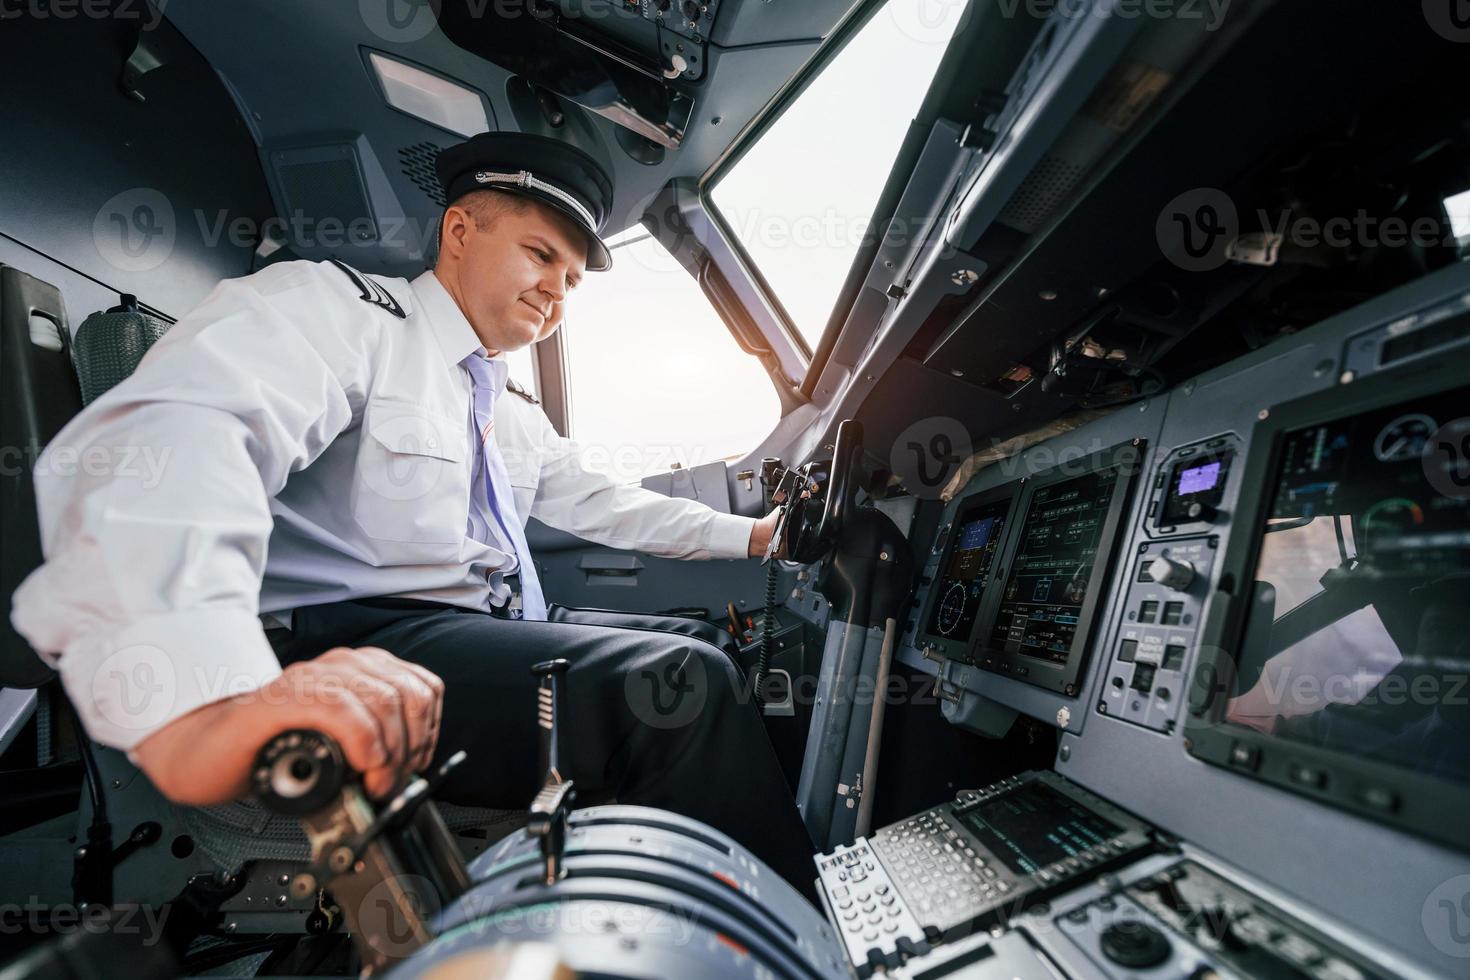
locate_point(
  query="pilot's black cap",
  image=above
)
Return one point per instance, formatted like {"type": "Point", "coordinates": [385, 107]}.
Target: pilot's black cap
{"type": "Point", "coordinates": [538, 167]}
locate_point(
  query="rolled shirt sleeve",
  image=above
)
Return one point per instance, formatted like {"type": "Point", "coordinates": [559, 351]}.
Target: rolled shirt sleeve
{"type": "Point", "coordinates": [154, 502]}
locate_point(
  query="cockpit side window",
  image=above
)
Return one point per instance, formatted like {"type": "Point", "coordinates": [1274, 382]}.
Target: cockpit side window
{"type": "Point", "coordinates": [657, 379]}
{"type": "Point", "coordinates": [801, 198]}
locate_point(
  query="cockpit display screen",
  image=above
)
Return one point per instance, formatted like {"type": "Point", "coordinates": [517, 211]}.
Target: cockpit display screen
{"type": "Point", "coordinates": [1052, 573]}
{"type": "Point", "coordinates": [979, 532]}
{"type": "Point", "coordinates": [1195, 489]}
{"type": "Point", "coordinates": [1358, 635]}
{"type": "Point", "coordinates": [1035, 826]}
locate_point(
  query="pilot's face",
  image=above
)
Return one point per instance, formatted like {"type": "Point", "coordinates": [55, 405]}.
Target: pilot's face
{"type": "Point", "coordinates": [514, 275]}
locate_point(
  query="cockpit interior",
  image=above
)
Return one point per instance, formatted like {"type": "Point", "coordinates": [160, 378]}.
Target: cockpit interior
{"type": "Point", "coordinates": [1105, 365]}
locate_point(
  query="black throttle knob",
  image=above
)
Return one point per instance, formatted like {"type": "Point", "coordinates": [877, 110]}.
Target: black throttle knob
{"type": "Point", "coordinates": [298, 773]}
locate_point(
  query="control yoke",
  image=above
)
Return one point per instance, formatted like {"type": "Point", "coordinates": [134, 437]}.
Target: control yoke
{"type": "Point", "coordinates": [816, 500]}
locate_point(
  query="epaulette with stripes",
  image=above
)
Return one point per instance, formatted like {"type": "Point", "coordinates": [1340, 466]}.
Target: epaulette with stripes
{"type": "Point", "coordinates": [372, 292]}
{"type": "Point", "coordinates": [515, 387]}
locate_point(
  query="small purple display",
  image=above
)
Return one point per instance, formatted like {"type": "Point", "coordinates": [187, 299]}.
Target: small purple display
{"type": "Point", "coordinates": [1199, 479]}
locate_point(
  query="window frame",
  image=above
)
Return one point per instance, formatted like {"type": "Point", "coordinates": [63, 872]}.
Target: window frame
{"type": "Point", "coordinates": [794, 88]}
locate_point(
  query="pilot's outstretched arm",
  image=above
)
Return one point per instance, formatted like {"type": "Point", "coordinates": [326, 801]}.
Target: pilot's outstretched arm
{"type": "Point", "coordinates": [591, 505]}
{"type": "Point", "coordinates": [154, 500]}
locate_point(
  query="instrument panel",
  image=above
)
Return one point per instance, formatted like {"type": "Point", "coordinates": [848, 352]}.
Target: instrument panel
{"type": "Point", "coordinates": [1024, 567]}
{"type": "Point", "coordinates": [1292, 558]}
{"type": "Point", "coordinates": [968, 567]}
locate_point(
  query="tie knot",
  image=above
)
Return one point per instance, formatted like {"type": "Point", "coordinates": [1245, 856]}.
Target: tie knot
{"type": "Point", "coordinates": [487, 373]}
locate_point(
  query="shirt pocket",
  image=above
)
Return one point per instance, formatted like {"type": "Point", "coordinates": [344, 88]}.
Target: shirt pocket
{"type": "Point", "coordinates": [411, 496]}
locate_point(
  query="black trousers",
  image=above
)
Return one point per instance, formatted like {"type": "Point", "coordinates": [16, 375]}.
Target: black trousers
{"type": "Point", "coordinates": [655, 715]}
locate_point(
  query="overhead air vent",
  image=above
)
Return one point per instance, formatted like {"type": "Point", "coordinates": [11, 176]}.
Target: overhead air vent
{"type": "Point", "coordinates": [417, 162]}
{"type": "Point", "coordinates": [1041, 193]}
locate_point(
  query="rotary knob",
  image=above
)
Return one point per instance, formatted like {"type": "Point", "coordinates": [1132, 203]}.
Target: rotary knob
{"type": "Point", "coordinates": [1202, 512]}
{"type": "Point", "coordinates": [1134, 944]}
{"type": "Point", "coordinates": [1171, 573]}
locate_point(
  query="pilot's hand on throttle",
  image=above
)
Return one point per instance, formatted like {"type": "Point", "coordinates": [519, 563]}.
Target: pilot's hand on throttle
{"type": "Point", "coordinates": [383, 711]}
{"type": "Point", "coordinates": [760, 535]}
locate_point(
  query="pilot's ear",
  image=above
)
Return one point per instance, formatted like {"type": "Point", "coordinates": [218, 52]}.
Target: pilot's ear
{"type": "Point", "coordinates": [454, 228]}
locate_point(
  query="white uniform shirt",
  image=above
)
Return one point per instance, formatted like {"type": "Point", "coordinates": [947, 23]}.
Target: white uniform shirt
{"type": "Point", "coordinates": [289, 443]}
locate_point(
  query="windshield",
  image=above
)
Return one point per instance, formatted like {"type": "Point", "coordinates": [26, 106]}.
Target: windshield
{"type": "Point", "coordinates": [801, 198]}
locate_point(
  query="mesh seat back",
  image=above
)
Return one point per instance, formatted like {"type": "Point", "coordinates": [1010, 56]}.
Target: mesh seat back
{"type": "Point", "coordinates": [109, 346]}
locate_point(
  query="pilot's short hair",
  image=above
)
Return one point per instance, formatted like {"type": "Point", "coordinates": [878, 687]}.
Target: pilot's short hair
{"type": "Point", "coordinates": [484, 204]}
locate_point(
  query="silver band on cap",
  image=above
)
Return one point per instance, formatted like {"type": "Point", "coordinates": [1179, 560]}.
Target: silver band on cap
{"type": "Point", "coordinates": [524, 178]}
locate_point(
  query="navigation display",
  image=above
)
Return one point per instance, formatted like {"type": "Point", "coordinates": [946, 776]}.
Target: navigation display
{"type": "Point", "coordinates": [1055, 562]}
{"type": "Point", "coordinates": [1358, 638]}
{"type": "Point", "coordinates": [979, 531]}
{"type": "Point", "coordinates": [1036, 826]}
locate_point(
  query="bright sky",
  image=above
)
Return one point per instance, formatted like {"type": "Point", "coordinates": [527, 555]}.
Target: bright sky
{"type": "Point", "coordinates": [800, 200]}
{"type": "Point", "coordinates": [655, 376]}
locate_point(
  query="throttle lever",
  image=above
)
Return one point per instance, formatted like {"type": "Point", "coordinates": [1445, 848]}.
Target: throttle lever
{"type": "Point", "coordinates": [549, 810]}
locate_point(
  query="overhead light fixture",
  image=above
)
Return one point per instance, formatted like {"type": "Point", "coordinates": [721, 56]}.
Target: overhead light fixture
{"type": "Point", "coordinates": [1458, 210]}
{"type": "Point", "coordinates": [432, 98]}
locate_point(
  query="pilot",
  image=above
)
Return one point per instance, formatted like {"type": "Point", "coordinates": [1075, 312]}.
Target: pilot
{"type": "Point", "coordinates": [346, 465]}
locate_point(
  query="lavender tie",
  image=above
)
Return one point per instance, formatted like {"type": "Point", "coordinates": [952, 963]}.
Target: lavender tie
{"type": "Point", "coordinates": [488, 379]}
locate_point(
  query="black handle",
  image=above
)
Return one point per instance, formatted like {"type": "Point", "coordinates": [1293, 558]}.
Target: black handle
{"type": "Point", "coordinates": [550, 700]}
{"type": "Point", "coordinates": [840, 490]}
